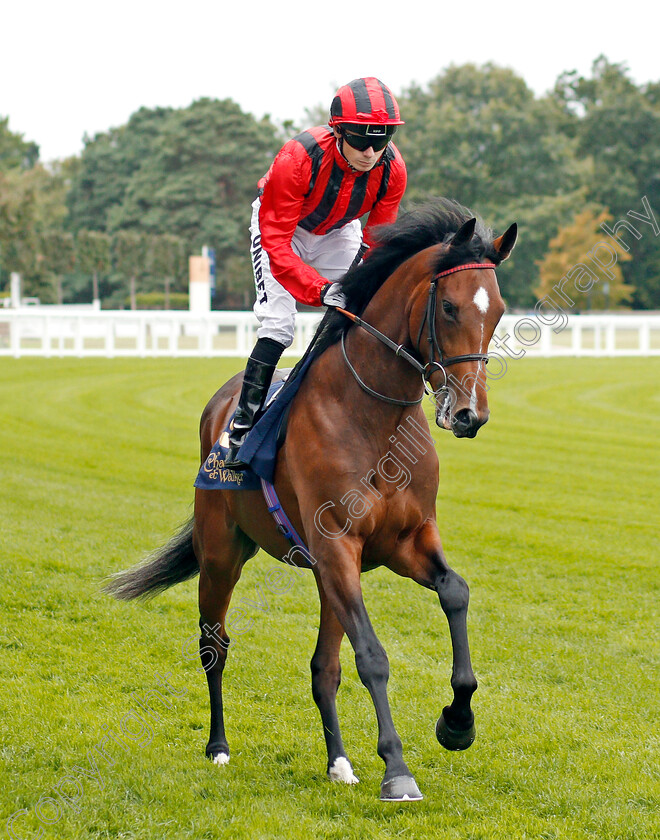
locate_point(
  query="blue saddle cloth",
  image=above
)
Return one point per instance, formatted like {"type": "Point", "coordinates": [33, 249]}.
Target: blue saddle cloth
{"type": "Point", "coordinates": [259, 449]}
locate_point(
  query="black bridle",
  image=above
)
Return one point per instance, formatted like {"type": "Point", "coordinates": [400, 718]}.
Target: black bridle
{"type": "Point", "coordinates": [434, 364]}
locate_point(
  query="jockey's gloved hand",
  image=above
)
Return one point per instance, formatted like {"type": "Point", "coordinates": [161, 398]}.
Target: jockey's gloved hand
{"type": "Point", "coordinates": [332, 295]}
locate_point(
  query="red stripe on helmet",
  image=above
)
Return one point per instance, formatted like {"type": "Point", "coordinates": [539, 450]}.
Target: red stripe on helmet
{"type": "Point", "coordinates": [366, 100]}
{"type": "Point", "coordinates": [376, 96]}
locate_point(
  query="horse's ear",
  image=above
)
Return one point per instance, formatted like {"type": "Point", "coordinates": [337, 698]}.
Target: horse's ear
{"type": "Point", "coordinates": [464, 234]}
{"type": "Point", "coordinates": [504, 244]}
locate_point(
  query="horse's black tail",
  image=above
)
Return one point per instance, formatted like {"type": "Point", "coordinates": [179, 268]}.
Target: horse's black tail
{"type": "Point", "coordinates": [171, 564]}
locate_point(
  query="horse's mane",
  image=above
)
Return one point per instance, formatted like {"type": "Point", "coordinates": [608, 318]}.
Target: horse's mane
{"type": "Point", "coordinates": [414, 230]}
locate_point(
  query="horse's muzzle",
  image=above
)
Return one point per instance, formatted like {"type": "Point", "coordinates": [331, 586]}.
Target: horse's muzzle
{"type": "Point", "coordinates": [466, 423]}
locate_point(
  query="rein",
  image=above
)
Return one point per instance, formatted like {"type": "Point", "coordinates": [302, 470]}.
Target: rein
{"type": "Point", "coordinates": [433, 365]}
{"type": "Point", "coordinates": [389, 343]}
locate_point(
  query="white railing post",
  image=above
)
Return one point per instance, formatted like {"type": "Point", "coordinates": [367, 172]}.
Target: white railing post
{"type": "Point", "coordinates": [242, 337]}
{"type": "Point", "coordinates": [174, 338]}
{"type": "Point", "coordinates": [576, 336]}
{"type": "Point", "coordinates": [110, 339]}
{"type": "Point", "coordinates": [14, 337]}
{"type": "Point", "coordinates": [141, 339]}
{"type": "Point", "coordinates": [47, 340]}
{"type": "Point", "coordinates": [249, 337]}
{"type": "Point", "coordinates": [78, 342]}
{"type": "Point", "coordinates": [546, 340]}
{"type": "Point", "coordinates": [610, 338]}
{"type": "Point", "coordinates": [598, 338]}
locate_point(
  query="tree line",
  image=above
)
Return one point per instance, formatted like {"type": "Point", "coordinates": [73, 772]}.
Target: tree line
{"type": "Point", "coordinates": [120, 220]}
{"type": "Point", "coordinates": [152, 267]}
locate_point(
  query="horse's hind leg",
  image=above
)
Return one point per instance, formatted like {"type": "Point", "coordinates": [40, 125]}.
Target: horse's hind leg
{"type": "Point", "coordinates": [221, 549]}
{"type": "Point", "coordinates": [326, 677]}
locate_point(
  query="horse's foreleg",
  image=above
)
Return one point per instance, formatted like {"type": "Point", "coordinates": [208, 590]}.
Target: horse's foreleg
{"type": "Point", "coordinates": [424, 562]}
{"type": "Point", "coordinates": [326, 677]}
{"type": "Point", "coordinates": [455, 727]}
{"type": "Point", "coordinates": [339, 569]}
{"type": "Point", "coordinates": [221, 550]}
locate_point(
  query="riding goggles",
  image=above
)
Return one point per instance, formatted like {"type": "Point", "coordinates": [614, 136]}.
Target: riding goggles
{"type": "Point", "coordinates": [362, 137]}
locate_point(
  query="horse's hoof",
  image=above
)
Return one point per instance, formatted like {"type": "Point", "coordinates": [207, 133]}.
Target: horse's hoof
{"type": "Point", "coordinates": [400, 789]}
{"type": "Point", "coordinates": [341, 771]}
{"type": "Point", "coordinates": [453, 739]}
{"type": "Point", "coordinates": [219, 758]}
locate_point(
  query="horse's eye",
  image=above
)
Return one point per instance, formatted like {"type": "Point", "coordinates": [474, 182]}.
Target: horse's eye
{"type": "Point", "coordinates": [449, 308]}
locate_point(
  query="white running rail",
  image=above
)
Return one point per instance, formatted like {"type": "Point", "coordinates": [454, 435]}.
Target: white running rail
{"type": "Point", "coordinates": [40, 331]}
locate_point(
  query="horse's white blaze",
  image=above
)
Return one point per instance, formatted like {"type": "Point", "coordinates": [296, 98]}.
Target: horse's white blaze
{"type": "Point", "coordinates": [473, 395]}
{"type": "Point", "coordinates": [341, 771]}
{"type": "Point", "coordinates": [481, 300]}
{"type": "Point", "coordinates": [221, 758]}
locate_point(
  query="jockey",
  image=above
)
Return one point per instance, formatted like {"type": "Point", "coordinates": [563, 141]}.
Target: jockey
{"type": "Point", "coordinates": [305, 230]}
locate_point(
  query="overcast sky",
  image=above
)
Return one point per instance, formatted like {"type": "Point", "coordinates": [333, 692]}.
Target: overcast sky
{"type": "Point", "coordinates": [68, 68]}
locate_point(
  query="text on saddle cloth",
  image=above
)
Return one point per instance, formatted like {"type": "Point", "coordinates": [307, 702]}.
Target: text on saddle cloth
{"type": "Point", "coordinates": [213, 475]}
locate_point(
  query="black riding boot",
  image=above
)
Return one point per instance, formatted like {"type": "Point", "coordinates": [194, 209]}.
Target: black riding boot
{"type": "Point", "coordinates": [256, 381]}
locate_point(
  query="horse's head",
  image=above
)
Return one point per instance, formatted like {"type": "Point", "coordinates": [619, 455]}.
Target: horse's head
{"type": "Point", "coordinates": [463, 308]}
{"type": "Point", "coordinates": [437, 262]}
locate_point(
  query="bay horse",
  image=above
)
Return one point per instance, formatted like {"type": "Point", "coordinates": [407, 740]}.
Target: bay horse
{"type": "Point", "coordinates": [357, 473]}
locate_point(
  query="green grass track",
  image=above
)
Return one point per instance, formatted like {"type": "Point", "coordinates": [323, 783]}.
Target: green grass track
{"type": "Point", "coordinates": [551, 514]}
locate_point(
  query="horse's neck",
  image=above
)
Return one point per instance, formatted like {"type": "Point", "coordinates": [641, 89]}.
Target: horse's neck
{"type": "Point", "coordinates": [392, 310]}
{"type": "Point", "coordinates": [377, 365]}
{"type": "Point", "coordinates": [391, 306]}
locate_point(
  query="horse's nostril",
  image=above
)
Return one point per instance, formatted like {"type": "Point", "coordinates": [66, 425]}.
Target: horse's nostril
{"type": "Point", "coordinates": [465, 419]}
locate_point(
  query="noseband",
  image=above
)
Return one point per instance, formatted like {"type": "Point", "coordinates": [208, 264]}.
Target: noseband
{"type": "Point", "coordinates": [434, 364]}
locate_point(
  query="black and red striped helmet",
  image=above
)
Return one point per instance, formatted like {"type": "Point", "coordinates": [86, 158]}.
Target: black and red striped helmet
{"type": "Point", "coordinates": [365, 102]}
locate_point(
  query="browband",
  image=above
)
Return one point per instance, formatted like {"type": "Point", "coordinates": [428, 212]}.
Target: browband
{"type": "Point", "coordinates": [461, 268]}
